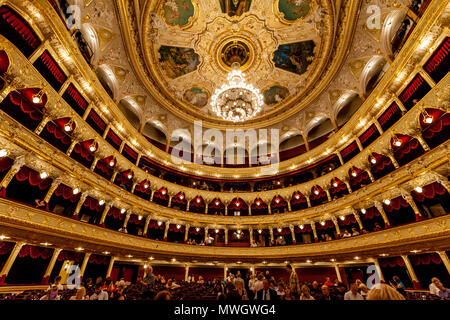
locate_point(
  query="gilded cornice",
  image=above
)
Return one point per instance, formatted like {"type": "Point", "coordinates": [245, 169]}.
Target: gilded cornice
{"type": "Point", "coordinates": [37, 224]}
{"type": "Point", "coordinates": [107, 108]}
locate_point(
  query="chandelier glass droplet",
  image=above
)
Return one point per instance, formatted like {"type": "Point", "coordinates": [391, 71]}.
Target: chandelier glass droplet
{"type": "Point", "coordinates": [237, 100]}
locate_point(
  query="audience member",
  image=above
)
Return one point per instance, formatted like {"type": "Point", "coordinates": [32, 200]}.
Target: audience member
{"type": "Point", "coordinates": [382, 291]}
{"type": "Point", "coordinates": [266, 293]}
{"type": "Point", "coordinates": [353, 294]}
{"type": "Point", "coordinates": [306, 293]}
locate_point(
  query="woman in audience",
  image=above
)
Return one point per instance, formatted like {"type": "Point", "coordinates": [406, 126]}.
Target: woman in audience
{"type": "Point", "coordinates": [52, 294]}
{"type": "Point", "coordinates": [443, 293]}
{"type": "Point", "coordinates": [433, 286]}
{"type": "Point", "coordinates": [398, 284]}
{"type": "Point", "coordinates": [80, 295]}
{"type": "Point", "coordinates": [383, 291]}
{"type": "Point", "coordinates": [287, 294]}
{"type": "Point", "coordinates": [355, 232]}
{"type": "Point", "coordinates": [346, 234]}
{"type": "Point", "coordinates": [306, 293]}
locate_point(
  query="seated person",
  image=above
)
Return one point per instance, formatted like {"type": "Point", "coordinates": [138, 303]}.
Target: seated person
{"type": "Point", "coordinates": [99, 294]}
{"type": "Point", "coordinates": [377, 227]}
{"type": "Point", "coordinates": [355, 232]}
{"type": "Point", "coordinates": [328, 237]}
{"type": "Point", "coordinates": [363, 231]}
{"type": "Point", "coordinates": [353, 293]}
{"type": "Point", "coordinates": [433, 286]}
{"type": "Point", "coordinates": [52, 294]}
{"type": "Point", "coordinates": [326, 294]}
{"type": "Point", "coordinates": [253, 244]}
{"type": "Point", "coordinates": [40, 204]}
{"type": "Point", "coordinates": [328, 282]}
{"type": "Point", "coordinates": [443, 293]}
{"type": "Point", "coordinates": [346, 234]}
{"type": "Point", "coordinates": [171, 284]}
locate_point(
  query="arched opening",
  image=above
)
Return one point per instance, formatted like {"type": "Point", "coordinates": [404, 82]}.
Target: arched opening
{"type": "Point", "coordinates": [322, 128]}
{"type": "Point", "coordinates": [131, 111]}
{"type": "Point", "coordinates": [108, 80]}
{"type": "Point", "coordinates": [347, 105]}
{"type": "Point", "coordinates": [155, 135]}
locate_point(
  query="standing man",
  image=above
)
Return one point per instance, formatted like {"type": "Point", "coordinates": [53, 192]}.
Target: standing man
{"type": "Point", "coordinates": [294, 284]}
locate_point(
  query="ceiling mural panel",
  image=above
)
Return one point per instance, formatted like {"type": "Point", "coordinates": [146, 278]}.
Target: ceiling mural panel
{"type": "Point", "coordinates": [275, 94]}
{"type": "Point", "coordinates": [235, 7]}
{"type": "Point", "coordinates": [176, 61]}
{"type": "Point", "coordinates": [295, 57]}
{"type": "Point", "coordinates": [294, 9]}
{"type": "Point", "coordinates": [197, 96]}
{"type": "Point", "coordinates": [178, 12]}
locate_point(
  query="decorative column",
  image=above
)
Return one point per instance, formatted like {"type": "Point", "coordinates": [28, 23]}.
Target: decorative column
{"type": "Point", "coordinates": [225, 270]}
{"type": "Point", "coordinates": [113, 177]}
{"type": "Point", "coordinates": [393, 160]}
{"type": "Point", "coordinates": [5, 91]}
{"type": "Point", "coordinates": [153, 193]}
{"type": "Point", "coordinates": [186, 272]}
{"type": "Point", "coordinates": [226, 236]}
{"type": "Point", "coordinates": [79, 205]}
{"type": "Point", "coordinates": [110, 267]}
{"type": "Point", "coordinates": [125, 222]}
{"type": "Point", "coordinates": [147, 221]}
{"type": "Point", "coordinates": [72, 145]}
{"type": "Point", "coordinates": [341, 160]}
{"type": "Point", "coordinates": [271, 234]}
{"type": "Point", "coordinates": [358, 219]}
{"type": "Point", "coordinates": [313, 227]}
{"type": "Point", "coordinates": [338, 273]}
{"type": "Point", "coordinates": [18, 163]}
{"type": "Point", "coordinates": [445, 260]}
{"type": "Point", "coordinates": [305, 139]}
{"type": "Point", "coordinates": [347, 183]}
{"type": "Point", "coordinates": [104, 213]}
{"type": "Point", "coordinates": [378, 268]}
{"type": "Point", "coordinates": [327, 191]}
{"type": "Point", "coordinates": [413, 205]}
{"type": "Point", "coordinates": [206, 207]}
{"type": "Point", "coordinates": [250, 230]}
{"type": "Point", "coordinates": [294, 241]}
{"type": "Point", "coordinates": [372, 178]}
{"type": "Point", "coordinates": [377, 124]}
{"type": "Point", "coordinates": [410, 269]}
{"type": "Point", "coordinates": [8, 264]}
{"type": "Point", "coordinates": [52, 189]}
{"type": "Point", "coordinates": [170, 200]}
{"type": "Point", "coordinates": [42, 125]}
{"type": "Point", "coordinates": [249, 210]}
{"type": "Point", "coordinates": [94, 163]}
{"type": "Point", "coordinates": [86, 113]}
{"type": "Point", "coordinates": [206, 234]}
{"type": "Point", "coordinates": [50, 266]}
{"type": "Point", "coordinates": [166, 230]}
{"type": "Point", "coordinates": [269, 208]}
{"type": "Point", "coordinates": [186, 233]}
{"type": "Point", "coordinates": [226, 208]}
{"type": "Point", "coordinates": [188, 204]}
{"type": "Point", "coordinates": [308, 201]}
{"type": "Point", "coordinates": [422, 142]}
{"type": "Point", "coordinates": [133, 187]}
{"type": "Point", "coordinates": [336, 225]}
{"type": "Point", "coordinates": [105, 133]}
{"type": "Point", "coordinates": [122, 146]}
{"type": "Point", "coordinates": [358, 142]}
{"type": "Point", "coordinates": [380, 208]}
{"type": "Point", "coordinates": [84, 264]}
{"type": "Point", "coordinates": [289, 205]}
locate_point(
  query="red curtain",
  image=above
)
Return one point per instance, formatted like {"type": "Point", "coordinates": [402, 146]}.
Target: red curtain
{"type": "Point", "coordinates": [233, 205]}
{"type": "Point", "coordinates": [77, 97]}
{"type": "Point", "coordinates": [21, 26]}
{"type": "Point", "coordinates": [159, 195]}
{"type": "Point", "coordinates": [392, 262]}
{"type": "Point", "coordinates": [425, 259]}
{"type": "Point", "coordinates": [370, 213]}
{"type": "Point", "coordinates": [33, 178]}
{"type": "Point", "coordinates": [301, 198]}
{"type": "Point", "coordinates": [98, 259]}
{"type": "Point", "coordinates": [429, 192]}
{"type": "Point", "coordinates": [35, 252]}
{"type": "Point", "coordinates": [393, 109]}
{"type": "Point", "coordinates": [115, 213]}
{"type": "Point", "coordinates": [412, 88]}
{"type": "Point", "coordinates": [442, 122]}
{"type": "Point", "coordinates": [67, 193]}
{"type": "Point", "coordinates": [82, 148]}
{"type": "Point", "coordinates": [438, 57]}
{"type": "Point", "coordinates": [93, 204]}
{"type": "Point", "coordinates": [328, 225]}
{"type": "Point", "coordinates": [369, 132]}
{"type": "Point", "coordinates": [196, 204]}
{"type": "Point", "coordinates": [6, 163]}
{"type": "Point", "coordinates": [352, 147]}
{"type": "Point", "coordinates": [154, 224]}
{"type": "Point", "coordinates": [262, 205]}
{"type": "Point", "coordinates": [103, 166]}
{"type": "Point", "coordinates": [6, 247]}
{"type": "Point", "coordinates": [350, 219]}
{"type": "Point", "coordinates": [134, 219]}
{"type": "Point", "coordinates": [306, 228]}
{"type": "Point", "coordinates": [216, 206]}
{"type": "Point", "coordinates": [193, 230]}
{"type": "Point", "coordinates": [24, 99]}
{"type": "Point", "coordinates": [141, 187]}
{"type": "Point", "coordinates": [53, 67]}
{"type": "Point", "coordinates": [281, 202]}
{"type": "Point", "coordinates": [4, 62]}
{"type": "Point", "coordinates": [173, 227]}
{"type": "Point", "coordinates": [77, 257]}
{"type": "Point", "coordinates": [408, 144]}
{"type": "Point", "coordinates": [58, 132]}
{"type": "Point", "coordinates": [396, 204]}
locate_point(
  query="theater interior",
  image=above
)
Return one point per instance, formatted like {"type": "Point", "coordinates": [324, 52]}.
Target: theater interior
{"type": "Point", "coordinates": [116, 155]}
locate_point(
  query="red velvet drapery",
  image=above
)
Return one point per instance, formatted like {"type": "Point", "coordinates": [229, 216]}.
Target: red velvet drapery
{"type": "Point", "coordinates": [237, 204]}
{"type": "Point", "coordinates": [173, 227]}
{"type": "Point", "coordinates": [429, 192]}
{"type": "Point", "coordinates": [298, 200]}
{"type": "Point", "coordinates": [24, 99]}
{"type": "Point", "coordinates": [396, 204]}
{"type": "Point", "coordinates": [425, 259]}
{"type": "Point", "coordinates": [67, 193]}
{"type": "Point", "coordinates": [35, 252]}
{"type": "Point", "coordinates": [4, 62]}
{"type": "Point", "coordinates": [328, 225]}
{"type": "Point", "coordinates": [93, 204]}
{"type": "Point", "coordinates": [33, 178]}
{"type": "Point", "coordinates": [381, 162]}
{"type": "Point", "coordinates": [98, 259]}
{"type": "Point", "coordinates": [349, 219]}
{"type": "Point", "coordinates": [392, 262]}
{"type": "Point", "coordinates": [20, 25]}
{"type": "Point", "coordinates": [193, 230]}
{"type": "Point", "coordinates": [82, 148]}
{"type": "Point", "coordinates": [6, 247]}
{"type": "Point", "coordinates": [115, 213]}
{"type": "Point", "coordinates": [77, 257]}
{"type": "Point", "coordinates": [53, 67]}
{"type": "Point", "coordinates": [197, 202]}
{"type": "Point", "coordinates": [409, 144]}
{"type": "Point", "coordinates": [134, 219]}
{"type": "Point", "coordinates": [141, 187]}
{"type": "Point", "coordinates": [6, 163]}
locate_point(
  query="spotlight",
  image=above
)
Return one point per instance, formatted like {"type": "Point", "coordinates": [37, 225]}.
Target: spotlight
{"type": "Point", "coordinates": [198, 200]}
{"type": "Point", "coordinates": [419, 189]}
{"type": "Point", "coordinates": [140, 218]}
{"type": "Point", "coordinates": [3, 153]}
{"type": "Point", "coordinates": [397, 143]}
{"type": "Point", "coordinates": [259, 231]}
{"type": "Point", "coordinates": [36, 99]}
{"type": "Point", "coordinates": [159, 223]}
{"type": "Point", "coordinates": [387, 202]}
{"type": "Point", "coordinates": [76, 190]}
{"type": "Point", "coordinates": [92, 147]}
{"type": "Point", "coordinates": [79, 249]}
{"type": "Point", "coordinates": [178, 226]}
{"type": "Point", "coordinates": [111, 163]}
{"type": "Point", "coordinates": [101, 202]}
{"type": "Point", "coordinates": [335, 184]}
{"type": "Point", "coordinates": [363, 211]}
{"type": "Point", "coordinates": [197, 229]}
{"type": "Point", "coordinates": [129, 176]}
{"type": "Point", "coordinates": [429, 119]}
{"type": "Point", "coordinates": [122, 210]}
{"type": "Point", "coordinates": [301, 226]}
{"type": "Point", "coordinates": [106, 253]}
{"type": "Point", "coordinates": [297, 196]}
{"type": "Point", "coordinates": [181, 197]}
{"type": "Point", "coordinates": [67, 127]}
{"type": "Point", "coordinates": [146, 186]}
{"type": "Point", "coordinates": [217, 230]}
{"type": "Point", "coordinates": [373, 160]}
{"type": "Point", "coordinates": [3, 237]}
{"type": "Point", "coordinates": [322, 223]}
{"type": "Point", "coordinates": [279, 229]}
{"type": "Point", "coordinates": [43, 175]}
{"type": "Point", "coordinates": [354, 173]}
{"type": "Point", "coordinates": [342, 218]}
{"type": "Point", "coordinates": [316, 192]}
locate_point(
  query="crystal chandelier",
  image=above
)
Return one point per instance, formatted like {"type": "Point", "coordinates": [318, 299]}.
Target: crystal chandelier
{"type": "Point", "coordinates": [237, 100]}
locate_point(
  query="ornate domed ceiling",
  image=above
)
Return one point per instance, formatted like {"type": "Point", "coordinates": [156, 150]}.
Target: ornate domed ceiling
{"type": "Point", "coordinates": [164, 59]}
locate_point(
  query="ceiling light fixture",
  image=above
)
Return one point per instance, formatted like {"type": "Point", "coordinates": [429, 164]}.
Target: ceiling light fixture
{"type": "Point", "coordinates": [3, 153]}
{"type": "Point", "coordinates": [237, 101]}
{"type": "Point", "coordinates": [419, 189]}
